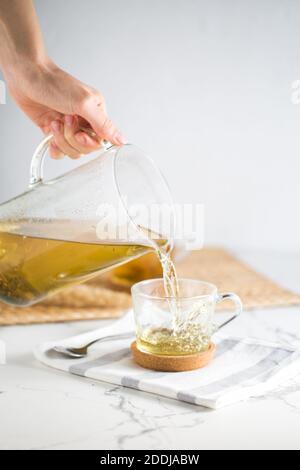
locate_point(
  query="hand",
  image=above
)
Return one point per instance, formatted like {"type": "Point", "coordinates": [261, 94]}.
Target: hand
{"type": "Point", "coordinates": [60, 104]}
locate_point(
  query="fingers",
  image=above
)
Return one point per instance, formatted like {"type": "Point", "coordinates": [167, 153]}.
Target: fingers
{"type": "Point", "coordinates": [57, 128]}
{"type": "Point", "coordinates": [55, 152]}
{"type": "Point", "coordinates": [79, 140]}
{"type": "Point", "coordinates": [69, 140]}
{"type": "Point", "coordinates": [92, 108]}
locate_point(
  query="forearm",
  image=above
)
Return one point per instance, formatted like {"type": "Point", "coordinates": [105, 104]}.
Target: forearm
{"type": "Point", "coordinates": [20, 35]}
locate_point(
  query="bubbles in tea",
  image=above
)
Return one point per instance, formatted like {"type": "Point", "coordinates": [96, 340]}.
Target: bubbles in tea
{"type": "Point", "coordinates": [35, 266]}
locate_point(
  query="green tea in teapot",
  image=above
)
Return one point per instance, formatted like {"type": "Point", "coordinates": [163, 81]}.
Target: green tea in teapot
{"type": "Point", "coordinates": [33, 264]}
{"type": "Point", "coordinates": [48, 236]}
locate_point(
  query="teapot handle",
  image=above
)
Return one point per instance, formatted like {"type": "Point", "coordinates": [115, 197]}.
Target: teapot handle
{"type": "Point", "coordinates": [37, 161]}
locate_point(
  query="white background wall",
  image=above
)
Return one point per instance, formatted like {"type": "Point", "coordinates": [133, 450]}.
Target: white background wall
{"type": "Point", "coordinates": [202, 86]}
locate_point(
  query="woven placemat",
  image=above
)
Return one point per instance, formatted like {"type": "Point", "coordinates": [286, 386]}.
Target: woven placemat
{"type": "Point", "coordinates": [107, 296]}
{"type": "Point", "coordinates": [228, 273]}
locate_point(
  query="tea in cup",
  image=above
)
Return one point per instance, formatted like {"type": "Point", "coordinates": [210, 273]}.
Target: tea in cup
{"type": "Point", "coordinates": [181, 325]}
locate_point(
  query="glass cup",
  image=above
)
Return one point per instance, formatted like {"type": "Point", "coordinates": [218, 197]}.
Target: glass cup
{"type": "Point", "coordinates": [177, 326]}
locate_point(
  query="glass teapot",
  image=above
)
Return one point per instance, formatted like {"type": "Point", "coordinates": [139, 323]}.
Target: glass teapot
{"type": "Point", "coordinates": [91, 219]}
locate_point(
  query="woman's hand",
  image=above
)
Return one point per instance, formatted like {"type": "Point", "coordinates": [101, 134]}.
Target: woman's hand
{"type": "Point", "coordinates": [62, 105]}
{"type": "Point", "coordinates": [54, 100]}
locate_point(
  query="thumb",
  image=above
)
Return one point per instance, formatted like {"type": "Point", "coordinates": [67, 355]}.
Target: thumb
{"type": "Point", "coordinates": [93, 110]}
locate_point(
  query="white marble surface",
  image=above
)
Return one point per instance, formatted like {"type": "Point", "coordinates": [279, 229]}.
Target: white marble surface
{"type": "Point", "coordinates": [42, 408]}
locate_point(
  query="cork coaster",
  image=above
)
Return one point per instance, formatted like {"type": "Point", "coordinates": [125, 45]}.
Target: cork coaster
{"type": "Point", "coordinates": [173, 363]}
{"type": "Point", "coordinates": [108, 295]}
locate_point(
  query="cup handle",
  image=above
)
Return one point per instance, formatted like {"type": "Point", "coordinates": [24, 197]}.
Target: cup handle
{"type": "Point", "coordinates": [238, 306]}
{"type": "Point", "coordinates": [37, 161]}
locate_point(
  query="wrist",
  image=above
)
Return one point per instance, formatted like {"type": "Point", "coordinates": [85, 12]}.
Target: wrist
{"type": "Point", "coordinates": [25, 68]}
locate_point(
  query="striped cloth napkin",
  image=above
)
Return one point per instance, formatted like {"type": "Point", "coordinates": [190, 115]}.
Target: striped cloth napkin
{"type": "Point", "coordinates": [242, 368]}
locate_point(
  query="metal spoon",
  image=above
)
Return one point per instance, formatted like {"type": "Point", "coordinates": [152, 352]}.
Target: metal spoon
{"type": "Point", "coordinates": [81, 351]}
